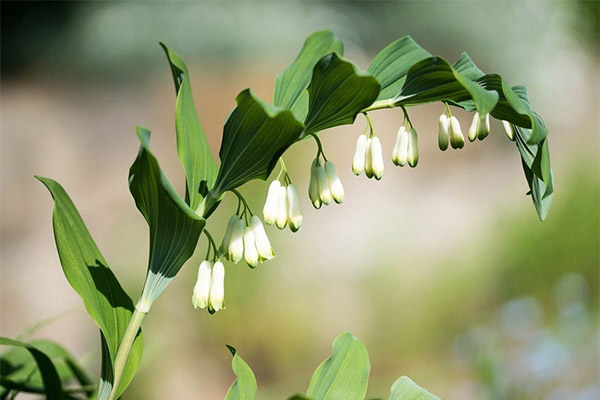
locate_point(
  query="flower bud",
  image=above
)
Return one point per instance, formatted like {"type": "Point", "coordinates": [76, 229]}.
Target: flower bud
{"type": "Point", "coordinates": [335, 185]}
{"type": "Point", "coordinates": [313, 186]}
{"type": "Point", "coordinates": [368, 159]}
{"type": "Point", "coordinates": [324, 192]}
{"type": "Point", "coordinates": [263, 245]}
{"type": "Point", "coordinates": [443, 136]}
{"type": "Point", "coordinates": [376, 157]}
{"type": "Point", "coordinates": [294, 213]}
{"type": "Point", "coordinates": [216, 300]}
{"type": "Point", "coordinates": [236, 246]}
{"type": "Point", "coordinates": [483, 127]}
{"type": "Point", "coordinates": [473, 129]}
{"type": "Point", "coordinates": [250, 251]}
{"type": "Point", "coordinates": [400, 147]}
{"type": "Point", "coordinates": [457, 140]}
{"type": "Point", "coordinates": [202, 288]}
{"type": "Point", "coordinates": [270, 208]}
{"type": "Point", "coordinates": [282, 208]}
{"type": "Point", "coordinates": [413, 148]}
{"type": "Point", "coordinates": [508, 128]}
{"type": "Point", "coordinates": [358, 162]}
{"type": "Point", "coordinates": [227, 238]}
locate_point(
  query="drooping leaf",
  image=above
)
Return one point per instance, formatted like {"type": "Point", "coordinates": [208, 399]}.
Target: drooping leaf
{"type": "Point", "coordinates": [290, 85]}
{"type": "Point", "coordinates": [174, 227]}
{"type": "Point", "coordinates": [405, 389]}
{"type": "Point", "coordinates": [244, 387]}
{"type": "Point", "coordinates": [255, 135]}
{"type": "Point", "coordinates": [392, 63]}
{"type": "Point", "coordinates": [192, 146]}
{"type": "Point", "coordinates": [345, 374]}
{"type": "Point", "coordinates": [89, 275]}
{"type": "Point", "coordinates": [467, 68]}
{"type": "Point", "coordinates": [337, 93]}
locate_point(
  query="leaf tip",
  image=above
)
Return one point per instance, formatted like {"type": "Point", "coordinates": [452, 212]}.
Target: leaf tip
{"type": "Point", "coordinates": [232, 349]}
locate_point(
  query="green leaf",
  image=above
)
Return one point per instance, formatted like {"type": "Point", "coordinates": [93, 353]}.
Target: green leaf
{"type": "Point", "coordinates": [255, 135]}
{"type": "Point", "coordinates": [244, 387]}
{"type": "Point", "coordinates": [467, 68]}
{"type": "Point", "coordinates": [174, 227]}
{"type": "Point", "coordinates": [50, 378]}
{"type": "Point", "coordinates": [89, 275]}
{"type": "Point", "coordinates": [337, 93]}
{"type": "Point", "coordinates": [392, 63]}
{"type": "Point", "coordinates": [192, 146]}
{"type": "Point", "coordinates": [290, 85]}
{"type": "Point", "coordinates": [345, 374]}
{"type": "Point", "coordinates": [405, 389]}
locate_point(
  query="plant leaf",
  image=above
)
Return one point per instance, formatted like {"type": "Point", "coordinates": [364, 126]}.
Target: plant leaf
{"type": "Point", "coordinates": [89, 275]}
{"type": "Point", "coordinates": [192, 146]}
{"type": "Point", "coordinates": [467, 68]}
{"type": "Point", "coordinates": [255, 135]}
{"type": "Point", "coordinates": [337, 93]}
{"type": "Point", "coordinates": [392, 63]}
{"type": "Point", "coordinates": [244, 387]}
{"type": "Point", "coordinates": [405, 389]}
{"type": "Point", "coordinates": [290, 85]}
{"type": "Point", "coordinates": [345, 374]}
{"type": "Point", "coordinates": [174, 227]}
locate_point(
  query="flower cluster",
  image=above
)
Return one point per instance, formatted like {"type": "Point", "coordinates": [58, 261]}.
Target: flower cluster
{"type": "Point", "coordinates": [368, 157]}
{"type": "Point", "coordinates": [480, 127]}
{"type": "Point", "coordinates": [325, 184]}
{"type": "Point", "coordinates": [406, 148]}
{"type": "Point", "coordinates": [249, 241]}
{"type": "Point", "coordinates": [450, 131]}
{"type": "Point", "coordinates": [209, 291]}
{"type": "Point", "coordinates": [282, 206]}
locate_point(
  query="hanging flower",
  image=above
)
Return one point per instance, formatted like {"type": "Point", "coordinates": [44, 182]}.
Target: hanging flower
{"type": "Point", "coordinates": [235, 248]}
{"type": "Point", "coordinates": [250, 250]}
{"type": "Point", "coordinates": [335, 185]}
{"type": "Point", "coordinates": [413, 148]}
{"type": "Point", "coordinates": [282, 208]}
{"type": "Point", "coordinates": [271, 204]}
{"type": "Point", "coordinates": [457, 140]}
{"type": "Point", "coordinates": [358, 162]}
{"type": "Point", "coordinates": [201, 290]}
{"type": "Point", "coordinates": [294, 213]}
{"type": "Point", "coordinates": [443, 135]}
{"type": "Point", "coordinates": [216, 299]}
{"type": "Point", "coordinates": [376, 157]}
{"type": "Point", "coordinates": [480, 127]}
{"type": "Point", "coordinates": [263, 245]}
{"type": "Point", "coordinates": [400, 152]}
{"type": "Point", "coordinates": [508, 128]}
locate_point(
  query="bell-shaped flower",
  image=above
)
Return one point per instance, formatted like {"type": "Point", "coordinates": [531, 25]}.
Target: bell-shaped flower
{"type": "Point", "coordinates": [376, 157]}
{"type": "Point", "coordinates": [483, 127]}
{"type": "Point", "coordinates": [263, 245]}
{"type": "Point", "coordinates": [227, 238]}
{"type": "Point", "coordinates": [202, 288]}
{"type": "Point", "coordinates": [323, 185]}
{"type": "Point", "coordinates": [294, 213]}
{"type": "Point", "coordinates": [443, 135]}
{"type": "Point", "coordinates": [313, 186]}
{"type": "Point", "coordinates": [508, 128]}
{"type": "Point", "coordinates": [369, 159]}
{"type": "Point", "coordinates": [472, 134]}
{"type": "Point", "coordinates": [400, 152]}
{"type": "Point", "coordinates": [250, 251]}
{"type": "Point", "coordinates": [413, 148]}
{"type": "Point", "coordinates": [457, 140]}
{"type": "Point", "coordinates": [358, 162]}
{"type": "Point", "coordinates": [335, 185]}
{"type": "Point", "coordinates": [235, 250]}
{"type": "Point", "coordinates": [216, 300]}
{"type": "Point", "coordinates": [282, 208]}
{"type": "Point", "coordinates": [270, 208]}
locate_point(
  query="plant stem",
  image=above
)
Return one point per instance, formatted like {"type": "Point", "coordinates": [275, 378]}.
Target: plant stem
{"type": "Point", "coordinates": [381, 104]}
{"type": "Point", "coordinates": [124, 348]}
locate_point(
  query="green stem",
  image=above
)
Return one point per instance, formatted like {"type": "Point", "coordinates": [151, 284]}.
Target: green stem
{"type": "Point", "coordinates": [124, 348]}
{"type": "Point", "coordinates": [381, 104]}
{"type": "Point", "coordinates": [319, 145]}
{"type": "Point", "coordinates": [239, 195]}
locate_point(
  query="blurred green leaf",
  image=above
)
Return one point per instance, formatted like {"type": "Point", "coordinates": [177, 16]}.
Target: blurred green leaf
{"type": "Point", "coordinates": [192, 146]}
{"type": "Point", "coordinates": [290, 85]}
{"type": "Point", "coordinates": [244, 387]}
{"type": "Point", "coordinates": [392, 63]}
{"type": "Point", "coordinates": [345, 374]}
{"type": "Point", "coordinates": [255, 135]}
{"type": "Point", "coordinates": [405, 389]}
{"type": "Point", "coordinates": [467, 68]}
{"type": "Point", "coordinates": [174, 227]}
{"type": "Point", "coordinates": [337, 93]}
{"type": "Point", "coordinates": [89, 275]}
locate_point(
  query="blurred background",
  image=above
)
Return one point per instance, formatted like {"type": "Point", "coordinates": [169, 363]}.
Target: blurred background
{"type": "Point", "coordinates": [443, 271]}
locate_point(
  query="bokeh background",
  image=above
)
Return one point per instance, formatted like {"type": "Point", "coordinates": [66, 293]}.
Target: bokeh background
{"type": "Point", "coordinates": [444, 271]}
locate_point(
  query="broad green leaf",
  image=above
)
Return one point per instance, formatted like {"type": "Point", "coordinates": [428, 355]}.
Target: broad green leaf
{"type": "Point", "coordinates": [174, 227]}
{"type": "Point", "coordinates": [433, 79]}
{"type": "Point", "coordinates": [290, 85]}
{"type": "Point", "coordinates": [337, 93]}
{"type": "Point", "coordinates": [467, 68]}
{"type": "Point", "coordinates": [244, 387]}
{"type": "Point", "coordinates": [50, 378]}
{"type": "Point", "coordinates": [89, 275]}
{"type": "Point", "coordinates": [392, 63]}
{"type": "Point", "coordinates": [405, 389]}
{"type": "Point", "coordinates": [255, 135]}
{"type": "Point", "coordinates": [345, 374]}
{"type": "Point", "coordinates": [192, 146]}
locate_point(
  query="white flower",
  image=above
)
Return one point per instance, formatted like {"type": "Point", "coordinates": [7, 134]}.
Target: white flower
{"type": "Point", "coordinates": [508, 128]}
{"type": "Point", "coordinates": [400, 152]}
{"type": "Point", "coordinates": [270, 208]}
{"type": "Point", "coordinates": [250, 251]}
{"type": "Point", "coordinates": [282, 208]}
{"type": "Point", "coordinates": [376, 157]}
{"type": "Point", "coordinates": [358, 162]}
{"type": "Point", "coordinates": [294, 213]}
{"type": "Point", "coordinates": [335, 185]}
{"type": "Point", "coordinates": [202, 288]}
{"type": "Point", "coordinates": [413, 148]}
{"type": "Point", "coordinates": [313, 186]}
{"type": "Point", "coordinates": [480, 127]}
{"type": "Point", "coordinates": [443, 135]}
{"type": "Point", "coordinates": [236, 245]}
{"type": "Point", "coordinates": [323, 185]}
{"type": "Point", "coordinates": [227, 238]}
{"type": "Point", "coordinates": [473, 129]}
{"type": "Point", "coordinates": [216, 299]}
{"type": "Point", "coordinates": [263, 245]}
{"type": "Point", "coordinates": [368, 159]}
{"type": "Point", "coordinates": [457, 140]}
